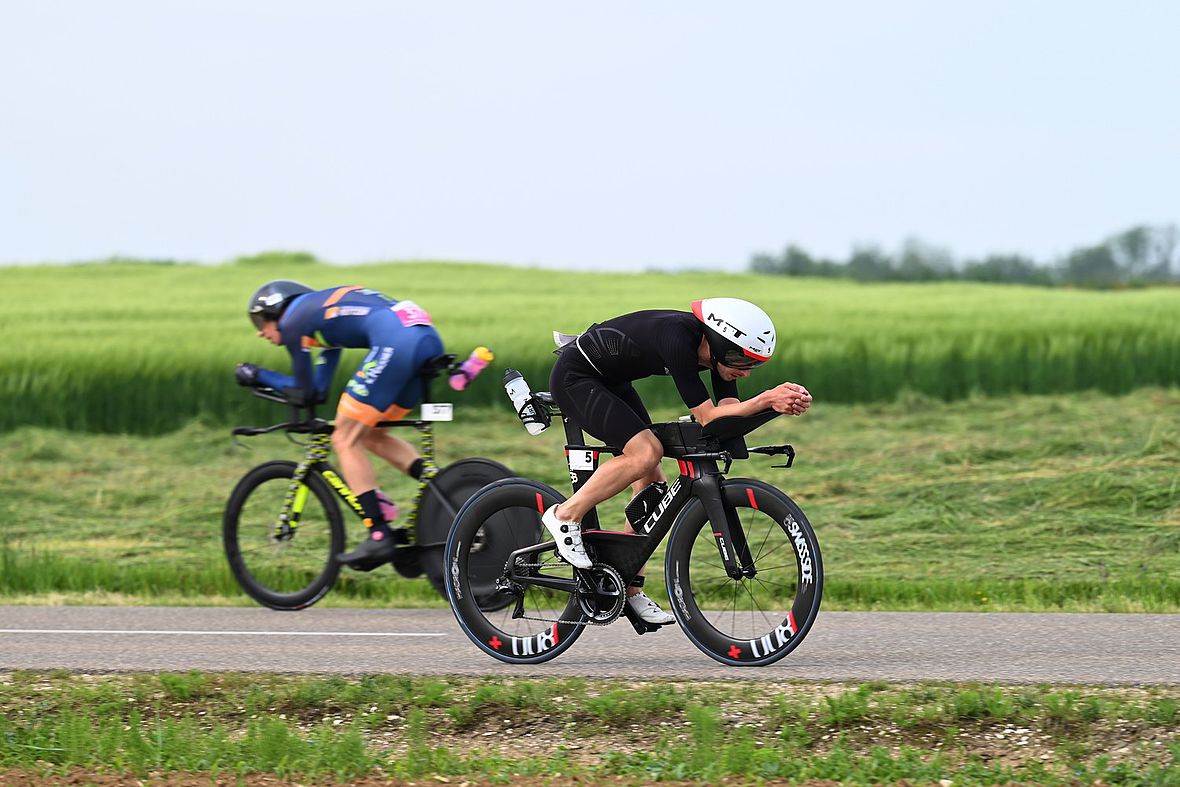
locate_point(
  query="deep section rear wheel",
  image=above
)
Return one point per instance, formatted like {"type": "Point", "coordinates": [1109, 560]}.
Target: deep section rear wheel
{"type": "Point", "coordinates": [510, 512]}
{"type": "Point", "coordinates": [442, 499]}
{"type": "Point", "coordinates": [284, 567]}
{"type": "Point", "coordinates": [751, 621]}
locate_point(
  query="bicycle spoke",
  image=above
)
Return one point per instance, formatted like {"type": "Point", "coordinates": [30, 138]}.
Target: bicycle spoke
{"type": "Point", "coordinates": [762, 546]}
{"type": "Point", "coordinates": [754, 603]}
{"type": "Point", "coordinates": [769, 585]}
{"type": "Point", "coordinates": [772, 568]}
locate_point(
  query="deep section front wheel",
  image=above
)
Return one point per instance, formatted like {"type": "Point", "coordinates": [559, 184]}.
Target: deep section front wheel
{"type": "Point", "coordinates": [513, 621]}
{"type": "Point", "coordinates": [754, 620]}
{"type": "Point", "coordinates": [282, 565]}
{"type": "Point", "coordinates": [442, 499]}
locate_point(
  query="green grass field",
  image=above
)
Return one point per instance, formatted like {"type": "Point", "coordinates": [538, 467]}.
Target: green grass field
{"type": "Point", "coordinates": [125, 347]}
{"type": "Point", "coordinates": [68, 729]}
{"type": "Point", "coordinates": [1066, 502]}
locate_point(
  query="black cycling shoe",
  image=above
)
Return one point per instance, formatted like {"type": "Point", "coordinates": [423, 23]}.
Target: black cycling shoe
{"type": "Point", "coordinates": [369, 554]}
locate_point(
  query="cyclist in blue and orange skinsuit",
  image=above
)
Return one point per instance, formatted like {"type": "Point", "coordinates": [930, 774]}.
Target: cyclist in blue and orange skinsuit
{"type": "Point", "coordinates": [400, 338]}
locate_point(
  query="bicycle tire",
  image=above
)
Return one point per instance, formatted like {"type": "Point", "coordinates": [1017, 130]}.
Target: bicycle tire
{"type": "Point", "coordinates": [514, 641]}
{"type": "Point", "coordinates": [783, 598]}
{"type": "Point", "coordinates": [293, 573]}
{"type": "Point", "coordinates": [442, 499]}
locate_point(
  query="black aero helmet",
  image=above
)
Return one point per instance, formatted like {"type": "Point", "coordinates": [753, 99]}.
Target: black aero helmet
{"type": "Point", "coordinates": [269, 300]}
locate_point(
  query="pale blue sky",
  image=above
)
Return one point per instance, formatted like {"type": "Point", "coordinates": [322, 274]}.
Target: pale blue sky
{"type": "Point", "coordinates": [613, 134]}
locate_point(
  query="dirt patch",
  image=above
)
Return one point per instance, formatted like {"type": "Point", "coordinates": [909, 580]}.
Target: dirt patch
{"type": "Point", "coordinates": [84, 779]}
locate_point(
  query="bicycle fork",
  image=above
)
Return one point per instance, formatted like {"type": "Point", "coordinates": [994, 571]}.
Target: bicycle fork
{"type": "Point", "coordinates": [727, 528]}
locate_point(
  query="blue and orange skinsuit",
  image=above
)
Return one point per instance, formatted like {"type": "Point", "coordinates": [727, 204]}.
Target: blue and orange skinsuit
{"type": "Point", "coordinates": [399, 334]}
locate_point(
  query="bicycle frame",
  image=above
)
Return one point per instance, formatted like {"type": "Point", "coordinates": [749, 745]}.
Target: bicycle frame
{"type": "Point", "coordinates": [700, 479]}
{"type": "Point", "coordinates": [315, 459]}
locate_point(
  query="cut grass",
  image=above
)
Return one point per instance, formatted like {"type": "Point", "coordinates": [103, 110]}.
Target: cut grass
{"type": "Point", "coordinates": [1068, 503]}
{"type": "Point", "coordinates": [495, 729]}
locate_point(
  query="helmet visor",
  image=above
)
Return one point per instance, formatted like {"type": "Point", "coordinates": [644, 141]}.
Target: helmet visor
{"type": "Point", "coordinates": [735, 358]}
{"type": "Point", "coordinates": [259, 319]}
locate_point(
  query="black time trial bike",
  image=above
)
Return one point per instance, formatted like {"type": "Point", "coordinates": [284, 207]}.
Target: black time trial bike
{"type": "Point", "coordinates": [282, 525]}
{"type": "Point", "coordinates": [742, 565]}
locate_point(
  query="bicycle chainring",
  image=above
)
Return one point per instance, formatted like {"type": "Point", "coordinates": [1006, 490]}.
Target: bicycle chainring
{"type": "Point", "coordinates": [601, 593]}
{"type": "Point", "coordinates": [604, 578]}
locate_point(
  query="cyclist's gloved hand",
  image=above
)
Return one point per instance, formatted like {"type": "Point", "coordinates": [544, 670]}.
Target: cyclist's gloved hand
{"type": "Point", "coordinates": [247, 374]}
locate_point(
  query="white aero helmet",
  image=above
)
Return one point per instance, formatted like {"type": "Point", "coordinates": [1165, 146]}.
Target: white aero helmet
{"type": "Point", "coordinates": [740, 335]}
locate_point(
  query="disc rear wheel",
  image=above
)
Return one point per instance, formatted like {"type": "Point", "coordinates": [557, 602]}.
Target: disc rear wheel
{"type": "Point", "coordinates": [442, 499]}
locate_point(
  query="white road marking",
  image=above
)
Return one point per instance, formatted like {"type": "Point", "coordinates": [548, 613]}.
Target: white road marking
{"type": "Point", "coordinates": [224, 633]}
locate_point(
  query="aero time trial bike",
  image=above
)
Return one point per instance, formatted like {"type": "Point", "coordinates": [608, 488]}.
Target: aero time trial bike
{"type": "Point", "coordinates": [282, 525]}
{"type": "Point", "coordinates": [742, 566]}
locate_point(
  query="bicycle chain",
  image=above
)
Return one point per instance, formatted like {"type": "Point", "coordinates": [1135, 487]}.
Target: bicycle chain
{"type": "Point", "coordinates": [559, 620]}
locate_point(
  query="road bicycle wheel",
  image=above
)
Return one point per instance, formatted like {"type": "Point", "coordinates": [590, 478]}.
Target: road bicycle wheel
{"type": "Point", "coordinates": [283, 568]}
{"type": "Point", "coordinates": [751, 621]}
{"type": "Point", "coordinates": [510, 512]}
{"type": "Point", "coordinates": [444, 496]}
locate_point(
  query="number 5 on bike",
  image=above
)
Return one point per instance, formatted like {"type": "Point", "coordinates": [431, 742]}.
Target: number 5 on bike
{"type": "Point", "coordinates": [742, 565]}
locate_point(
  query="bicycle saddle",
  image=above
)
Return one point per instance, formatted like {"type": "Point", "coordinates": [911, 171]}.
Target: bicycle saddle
{"type": "Point", "coordinates": [437, 365]}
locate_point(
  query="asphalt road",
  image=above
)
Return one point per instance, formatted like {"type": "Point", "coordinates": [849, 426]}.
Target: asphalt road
{"type": "Point", "coordinates": [891, 646]}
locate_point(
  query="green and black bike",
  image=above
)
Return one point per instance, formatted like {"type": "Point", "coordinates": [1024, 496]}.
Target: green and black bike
{"type": "Point", "coordinates": [742, 566]}
{"type": "Point", "coordinates": [282, 525]}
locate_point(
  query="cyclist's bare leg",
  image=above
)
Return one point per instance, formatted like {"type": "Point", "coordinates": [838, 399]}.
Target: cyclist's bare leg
{"type": "Point", "coordinates": [348, 440]}
{"type": "Point", "coordinates": [640, 459]}
{"type": "Point", "coordinates": [636, 488]}
{"type": "Point", "coordinates": [393, 450]}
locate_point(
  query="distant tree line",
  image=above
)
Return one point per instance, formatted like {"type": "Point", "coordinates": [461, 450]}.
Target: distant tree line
{"type": "Point", "coordinates": [1138, 256]}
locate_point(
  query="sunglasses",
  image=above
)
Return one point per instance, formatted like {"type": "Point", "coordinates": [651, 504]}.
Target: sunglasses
{"type": "Point", "coordinates": [736, 359]}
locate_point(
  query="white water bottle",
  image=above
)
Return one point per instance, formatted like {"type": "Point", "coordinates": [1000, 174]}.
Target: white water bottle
{"type": "Point", "coordinates": [522, 401]}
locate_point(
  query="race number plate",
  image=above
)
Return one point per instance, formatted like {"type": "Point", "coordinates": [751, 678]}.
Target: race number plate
{"type": "Point", "coordinates": [438, 411]}
{"type": "Point", "coordinates": [582, 460]}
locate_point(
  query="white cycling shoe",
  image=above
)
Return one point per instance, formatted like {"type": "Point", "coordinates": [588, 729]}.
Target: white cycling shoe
{"type": "Point", "coordinates": [568, 536]}
{"type": "Point", "coordinates": [648, 611]}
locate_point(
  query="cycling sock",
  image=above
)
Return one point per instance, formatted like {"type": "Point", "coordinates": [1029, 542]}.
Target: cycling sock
{"type": "Point", "coordinates": [378, 528]}
{"type": "Point", "coordinates": [416, 467]}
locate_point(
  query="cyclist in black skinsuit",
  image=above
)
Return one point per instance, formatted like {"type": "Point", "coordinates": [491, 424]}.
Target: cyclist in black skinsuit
{"type": "Point", "coordinates": [591, 382]}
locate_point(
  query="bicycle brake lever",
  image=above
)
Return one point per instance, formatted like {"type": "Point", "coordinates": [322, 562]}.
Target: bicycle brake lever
{"type": "Point", "coordinates": [790, 452]}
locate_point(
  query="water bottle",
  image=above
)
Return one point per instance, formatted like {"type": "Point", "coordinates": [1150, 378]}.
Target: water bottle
{"type": "Point", "coordinates": [475, 363]}
{"type": "Point", "coordinates": [641, 507]}
{"type": "Point", "coordinates": [522, 401]}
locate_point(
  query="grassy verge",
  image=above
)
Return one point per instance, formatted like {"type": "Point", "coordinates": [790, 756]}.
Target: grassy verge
{"type": "Point", "coordinates": [1067, 502]}
{"type": "Point", "coordinates": [496, 729]}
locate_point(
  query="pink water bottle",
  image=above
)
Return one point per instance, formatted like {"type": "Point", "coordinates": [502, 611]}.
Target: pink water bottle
{"type": "Point", "coordinates": [475, 363]}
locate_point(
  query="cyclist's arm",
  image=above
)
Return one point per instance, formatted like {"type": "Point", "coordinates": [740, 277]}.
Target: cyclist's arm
{"type": "Point", "coordinates": [277, 380]}
{"type": "Point", "coordinates": [788, 398]}
{"type": "Point", "coordinates": [302, 384]}
{"type": "Point", "coordinates": [706, 411]}
{"type": "Point", "coordinates": [325, 369]}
